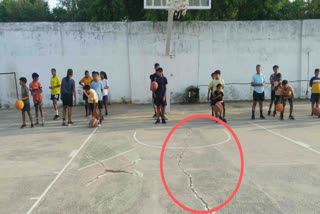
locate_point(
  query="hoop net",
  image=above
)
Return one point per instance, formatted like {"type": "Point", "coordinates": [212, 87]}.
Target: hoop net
{"type": "Point", "coordinates": [180, 7]}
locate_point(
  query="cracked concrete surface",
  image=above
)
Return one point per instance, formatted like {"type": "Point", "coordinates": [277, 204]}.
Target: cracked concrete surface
{"type": "Point", "coordinates": [191, 181]}
{"type": "Point", "coordinates": [106, 171]}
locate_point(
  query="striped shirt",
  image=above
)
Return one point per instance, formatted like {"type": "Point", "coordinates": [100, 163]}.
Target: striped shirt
{"type": "Point", "coordinates": [315, 85]}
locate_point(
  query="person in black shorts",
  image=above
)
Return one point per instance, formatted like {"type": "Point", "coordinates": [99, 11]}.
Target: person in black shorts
{"type": "Point", "coordinates": [272, 79]}
{"type": "Point", "coordinates": [160, 95]}
{"type": "Point", "coordinates": [153, 77]}
{"type": "Point", "coordinates": [68, 92]}
{"type": "Point", "coordinates": [217, 97]}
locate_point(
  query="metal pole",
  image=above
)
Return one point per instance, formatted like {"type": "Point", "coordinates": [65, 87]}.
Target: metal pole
{"type": "Point", "coordinates": [307, 93]}
{"type": "Point", "coordinates": [15, 81]}
{"type": "Point", "coordinates": [169, 31]}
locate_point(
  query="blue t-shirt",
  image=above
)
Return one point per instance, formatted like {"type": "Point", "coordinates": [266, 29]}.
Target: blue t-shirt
{"type": "Point", "coordinates": [258, 79]}
{"type": "Point", "coordinates": [98, 87]}
{"type": "Point", "coordinates": [67, 86]}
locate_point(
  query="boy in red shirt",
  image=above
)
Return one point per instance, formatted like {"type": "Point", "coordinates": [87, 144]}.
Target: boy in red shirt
{"type": "Point", "coordinates": [36, 90]}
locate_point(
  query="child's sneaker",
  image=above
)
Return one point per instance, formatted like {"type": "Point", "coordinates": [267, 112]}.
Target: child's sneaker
{"type": "Point", "coordinates": [269, 113]}
{"type": "Point", "coordinates": [291, 117]}
{"type": "Point", "coordinates": [64, 122]}
{"type": "Point", "coordinates": [157, 121]}
{"type": "Point", "coordinates": [56, 117]}
{"type": "Point", "coordinates": [253, 117]}
{"type": "Point", "coordinates": [164, 121]}
{"type": "Point", "coordinates": [32, 125]}
{"type": "Point", "coordinates": [274, 113]}
{"type": "Point", "coordinates": [23, 126]}
{"type": "Point", "coordinates": [262, 117]}
{"type": "Point", "coordinates": [37, 122]}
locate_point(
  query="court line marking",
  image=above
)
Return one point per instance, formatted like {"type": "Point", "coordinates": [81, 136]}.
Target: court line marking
{"type": "Point", "coordinates": [72, 153]}
{"type": "Point", "coordinates": [181, 147]}
{"type": "Point", "coordinates": [85, 167]}
{"type": "Point", "coordinates": [304, 145]}
{"type": "Point", "coordinates": [60, 173]}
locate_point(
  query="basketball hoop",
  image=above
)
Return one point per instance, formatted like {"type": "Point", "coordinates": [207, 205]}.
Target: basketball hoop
{"type": "Point", "coordinates": [179, 7]}
{"type": "Point", "coordinates": [176, 9]}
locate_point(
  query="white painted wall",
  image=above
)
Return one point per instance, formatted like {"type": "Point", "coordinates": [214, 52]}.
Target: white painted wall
{"type": "Point", "coordinates": [127, 52]}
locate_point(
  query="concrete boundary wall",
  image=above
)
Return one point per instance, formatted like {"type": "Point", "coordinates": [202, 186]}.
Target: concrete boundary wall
{"type": "Point", "coordinates": [127, 52]}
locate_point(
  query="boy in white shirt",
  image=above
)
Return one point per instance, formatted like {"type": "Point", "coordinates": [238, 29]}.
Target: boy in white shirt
{"type": "Point", "coordinates": [92, 100]}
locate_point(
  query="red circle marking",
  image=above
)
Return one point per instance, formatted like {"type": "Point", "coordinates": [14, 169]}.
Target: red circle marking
{"type": "Point", "coordinates": [203, 116]}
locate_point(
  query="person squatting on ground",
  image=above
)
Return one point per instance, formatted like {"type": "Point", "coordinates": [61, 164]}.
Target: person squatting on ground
{"type": "Point", "coordinates": [287, 94]}
{"type": "Point", "coordinates": [257, 83]}
{"type": "Point", "coordinates": [36, 92]}
{"type": "Point", "coordinates": [86, 80]}
{"type": "Point", "coordinates": [272, 79]}
{"type": "Point", "coordinates": [217, 99]}
{"type": "Point", "coordinates": [315, 90]}
{"type": "Point", "coordinates": [92, 102]}
{"type": "Point", "coordinates": [55, 84]}
{"type": "Point", "coordinates": [68, 93]}
{"type": "Point", "coordinates": [105, 84]}
{"type": "Point", "coordinates": [160, 95]}
{"type": "Point", "coordinates": [96, 85]}
{"type": "Point", "coordinates": [216, 79]}
{"type": "Point", "coordinates": [26, 101]}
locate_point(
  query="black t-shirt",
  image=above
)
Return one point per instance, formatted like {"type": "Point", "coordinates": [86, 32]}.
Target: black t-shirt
{"type": "Point", "coordinates": [162, 82]}
{"type": "Point", "coordinates": [217, 93]}
{"type": "Point", "coordinates": [153, 77]}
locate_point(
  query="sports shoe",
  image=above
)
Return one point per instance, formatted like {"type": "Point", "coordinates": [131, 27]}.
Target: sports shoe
{"type": "Point", "coordinates": [274, 113]}
{"type": "Point", "coordinates": [64, 122]}
{"type": "Point", "coordinates": [99, 124]}
{"type": "Point", "coordinates": [32, 125]}
{"type": "Point", "coordinates": [37, 122]}
{"type": "Point", "coordinates": [56, 117]}
{"type": "Point", "coordinates": [269, 113]}
{"type": "Point", "coordinates": [262, 117]}
{"type": "Point", "coordinates": [291, 117]}
{"type": "Point", "coordinates": [281, 117]}
{"type": "Point", "coordinates": [23, 126]}
{"type": "Point", "coordinates": [164, 121]}
{"type": "Point", "coordinates": [157, 121]}
{"type": "Point", "coordinates": [253, 117]}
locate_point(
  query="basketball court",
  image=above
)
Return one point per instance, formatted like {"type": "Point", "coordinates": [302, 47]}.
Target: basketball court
{"type": "Point", "coordinates": [115, 168]}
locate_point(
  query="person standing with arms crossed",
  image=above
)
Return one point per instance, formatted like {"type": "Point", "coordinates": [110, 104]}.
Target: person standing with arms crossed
{"type": "Point", "coordinates": [55, 84]}
{"type": "Point", "coordinates": [257, 83]}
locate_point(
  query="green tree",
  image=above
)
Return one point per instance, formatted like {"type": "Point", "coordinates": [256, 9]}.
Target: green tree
{"type": "Point", "coordinates": [24, 10]}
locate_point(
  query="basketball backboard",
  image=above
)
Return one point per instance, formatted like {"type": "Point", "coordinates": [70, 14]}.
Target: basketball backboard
{"type": "Point", "coordinates": [165, 4]}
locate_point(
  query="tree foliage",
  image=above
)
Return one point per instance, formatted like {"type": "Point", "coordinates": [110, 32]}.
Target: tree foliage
{"type": "Point", "coordinates": [132, 10]}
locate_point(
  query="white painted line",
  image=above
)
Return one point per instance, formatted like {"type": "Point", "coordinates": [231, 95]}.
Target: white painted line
{"type": "Point", "coordinates": [34, 198]}
{"type": "Point", "coordinates": [107, 159]}
{"type": "Point", "coordinates": [72, 153]}
{"type": "Point", "coordinates": [289, 139]}
{"type": "Point", "coordinates": [181, 147]}
{"type": "Point", "coordinates": [60, 173]}
{"type": "Point", "coordinates": [56, 172]}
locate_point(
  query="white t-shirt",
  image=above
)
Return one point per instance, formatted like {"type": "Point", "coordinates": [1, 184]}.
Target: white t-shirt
{"type": "Point", "coordinates": [105, 83]}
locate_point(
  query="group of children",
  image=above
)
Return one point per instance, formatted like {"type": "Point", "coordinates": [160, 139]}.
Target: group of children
{"type": "Point", "coordinates": [95, 95]}
{"type": "Point", "coordinates": [281, 92]}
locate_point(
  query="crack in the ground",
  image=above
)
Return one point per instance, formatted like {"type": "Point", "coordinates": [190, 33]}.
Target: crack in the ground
{"type": "Point", "coordinates": [179, 159]}
{"type": "Point", "coordinates": [106, 171]}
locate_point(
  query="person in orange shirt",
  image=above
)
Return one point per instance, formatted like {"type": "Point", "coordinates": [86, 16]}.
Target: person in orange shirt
{"type": "Point", "coordinates": [86, 80]}
{"type": "Point", "coordinates": [36, 92]}
{"type": "Point", "coordinates": [287, 94]}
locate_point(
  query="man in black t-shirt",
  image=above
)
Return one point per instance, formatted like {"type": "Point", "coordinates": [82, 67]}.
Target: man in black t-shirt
{"type": "Point", "coordinates": [160, 95]}
{"type": "Point", "coordinates": [153, 77]}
